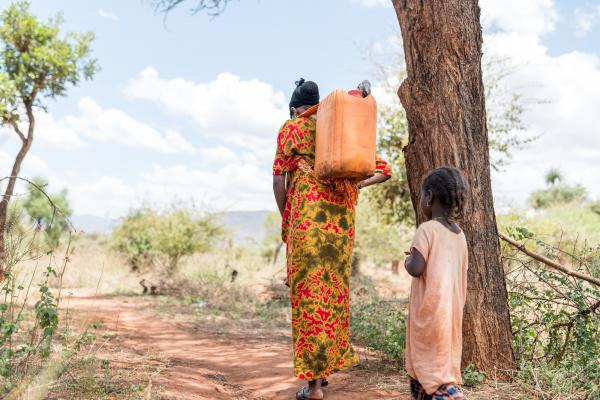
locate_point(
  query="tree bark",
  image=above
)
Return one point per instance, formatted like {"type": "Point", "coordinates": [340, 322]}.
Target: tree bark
{"type": "Point", "coordinates": [444, 99]}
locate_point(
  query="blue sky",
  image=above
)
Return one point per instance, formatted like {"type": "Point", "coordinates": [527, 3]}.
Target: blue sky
{"type": "Point", "coordinates": [187, 108]}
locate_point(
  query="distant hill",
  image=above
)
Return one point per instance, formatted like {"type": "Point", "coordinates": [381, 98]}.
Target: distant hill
{"type": "Point", "coordinates": [93, 224]}
{"type": "Point", "coordinates": [243, 224]}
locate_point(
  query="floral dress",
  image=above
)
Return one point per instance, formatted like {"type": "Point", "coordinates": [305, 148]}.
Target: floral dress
{"type": "Point", "coordinates": [318, 228]}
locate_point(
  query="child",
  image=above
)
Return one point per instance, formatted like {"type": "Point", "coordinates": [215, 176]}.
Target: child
{"type": "Point", "coordinates": [438, 261]}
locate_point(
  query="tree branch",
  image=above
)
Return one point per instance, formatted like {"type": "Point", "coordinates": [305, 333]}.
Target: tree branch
{"type": "Point", "coordinates": [548, 262]}
{"type": "Point", "coordinates": [55, 209]}
{"type": "Point", "coordinates": [591, 309]}
{"type": "Point", "coordinates": [212, 7]}
{"type": "Point", "coordinates": [16, 128]}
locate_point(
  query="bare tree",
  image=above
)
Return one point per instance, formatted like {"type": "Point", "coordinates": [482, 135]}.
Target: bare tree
{"type": "Point", "coordinates": [211, 7]}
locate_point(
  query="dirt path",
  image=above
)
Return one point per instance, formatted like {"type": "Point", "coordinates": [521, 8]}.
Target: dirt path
{"type": "Point", "coordinates": [208, 364]}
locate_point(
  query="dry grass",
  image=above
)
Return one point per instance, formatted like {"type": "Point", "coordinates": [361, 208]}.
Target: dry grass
{"type": "Point", "coordinates": [91, 267]}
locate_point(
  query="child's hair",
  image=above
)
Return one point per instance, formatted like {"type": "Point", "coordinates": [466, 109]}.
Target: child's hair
{"type": "Point", "coordinates": [449, 186]}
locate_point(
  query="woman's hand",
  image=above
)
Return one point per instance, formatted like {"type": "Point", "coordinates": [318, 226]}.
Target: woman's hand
{"type": "Point", "coordinates": [377, 178]}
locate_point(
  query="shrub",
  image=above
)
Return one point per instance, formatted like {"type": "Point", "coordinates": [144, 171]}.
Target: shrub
{"type": "Point", "coordinates": [179, 233]}
{"type": "Point", "coordinates": [146, 237]}
{"type": "Point", "coordinates": [133, 238]}
{"type": "Point", "coordinates": [556, 192]}
{"type": "Point", "coordinates": [595, 207]}
{"type": "Point", "coordinates": [559, 194]}
{"type": "Point", "coordinates": [555, 318]}
{"type": "Point", "coordinates": [471, 376]}
{"type": "Point", "coordinates": [52, 216]}
{"type": "Point", "coordinates": [26, 332]}
{"type": "Point", "coordinates": [379, 324]}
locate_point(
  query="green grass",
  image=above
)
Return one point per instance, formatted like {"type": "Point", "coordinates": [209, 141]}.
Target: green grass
{"type": "Point", "coordinates": [569, 222]}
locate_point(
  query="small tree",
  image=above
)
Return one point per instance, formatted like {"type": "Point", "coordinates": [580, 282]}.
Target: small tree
{"type": "Point", "coordinates": [53, 220]}
{"type": "Point", "coordinates": [556, 192]}
{"type": "Point", "coordinates": [179, 234]}
{"type": "Point", "coordinates": [272, 242]}
{"type": "Point", "coordinates": [133, 238]}
{"type": "Point", "coordinates": [36, 63]}
{"type": "Point", "coordinates": [145, 236]}
{"type": "Point", "coordinates": [553, 176]}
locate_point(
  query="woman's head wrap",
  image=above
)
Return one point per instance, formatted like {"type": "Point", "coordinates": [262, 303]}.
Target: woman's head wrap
{"type": "Point", "coordinates": [305, 94]}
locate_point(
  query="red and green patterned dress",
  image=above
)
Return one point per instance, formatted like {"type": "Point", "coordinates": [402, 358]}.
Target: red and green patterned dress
{"type": "Point", "coordinates": [318, 228]}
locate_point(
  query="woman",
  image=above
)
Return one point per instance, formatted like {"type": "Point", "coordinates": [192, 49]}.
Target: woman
{"type": "Point", "coordinates": [318, 228]}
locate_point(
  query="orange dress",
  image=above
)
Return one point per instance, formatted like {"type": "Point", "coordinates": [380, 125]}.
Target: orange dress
{"type": "Point", "coordinates": [318, 228]}
{"type": "Point", "coordinates": [437, 299]}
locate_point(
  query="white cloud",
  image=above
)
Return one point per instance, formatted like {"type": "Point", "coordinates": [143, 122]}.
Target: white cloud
{"type": "Point", "coordinates": [32, 164]}
{"type": "Point", "coordinates": [585, 19]}
{"type": "Point", "coordinates": [566, 118]}
{"type": "Point", "coordinates": [102, 197]}
{"type": "Point", "coordinates": [113, 125]}
{"type": "Point", "coordinates": [241, 116]}
{"type": "Point", "coordinates": [237, 186]}
{"type": "Point", "coordinates": [108, 15]}
{"type": "Point", "coordinates": [531, 17]}
{"type": "Point", "coordinates": [110, 125]}
{"type": "Point", "coordinates": [374, 3]}
{"type": "Point", "coordinates": [237, 122]}
{"type": "Point", "coordinates": [227, 105]}
{"type": "Point", "coordinates": [107, 125]}
{"type": "Point", "coordinates": [219, 154]}
{"type": "Point", "coordinates": [56, 132]}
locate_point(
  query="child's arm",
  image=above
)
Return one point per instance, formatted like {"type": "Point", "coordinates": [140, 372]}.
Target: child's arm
{"type": "Point", "coordinates": [415, 263]}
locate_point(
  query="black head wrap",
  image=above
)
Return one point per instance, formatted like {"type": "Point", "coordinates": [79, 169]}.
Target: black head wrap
{"type": "Point", "coordinates": [305, 94]}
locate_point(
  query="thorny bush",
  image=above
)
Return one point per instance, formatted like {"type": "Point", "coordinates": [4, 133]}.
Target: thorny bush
{"type": "Point", "coordinates": [26, 332]}
{"type": "Point", "coordinates": [555, 317]}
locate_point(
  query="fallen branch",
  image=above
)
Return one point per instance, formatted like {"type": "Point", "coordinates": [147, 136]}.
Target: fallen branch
{"type": "Point", "coordinates": [549, 262]}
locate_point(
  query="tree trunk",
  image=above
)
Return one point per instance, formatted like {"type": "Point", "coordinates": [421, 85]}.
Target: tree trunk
{"type": "Point", "coordinates": [276, 254]}
{"type": "Point", "coordinates": [10, 187]}
{"type": "Point", "coordinates": [395, 267]}
{"type": "Point", "coordinates": [445, 106]}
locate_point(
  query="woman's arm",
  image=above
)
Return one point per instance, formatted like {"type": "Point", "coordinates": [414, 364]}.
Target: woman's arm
{"type": "Point", "coordinates": [415, 263]}
{"type": "Point", "coordinates": [280, 192]}
{"type": "Point", "coordinates": [377, 178]}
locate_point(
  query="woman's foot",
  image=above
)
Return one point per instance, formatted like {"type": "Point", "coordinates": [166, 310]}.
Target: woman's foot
{"type": "Point", "coordinates": [312, 392]}
{"type": "Point", "coordinates": [306, 394]}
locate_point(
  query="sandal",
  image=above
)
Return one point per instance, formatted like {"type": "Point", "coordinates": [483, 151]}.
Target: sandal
{"type": "Point", "coordinates": [324, 382]}
{"type": "Point", "coordinates": [302, 394]}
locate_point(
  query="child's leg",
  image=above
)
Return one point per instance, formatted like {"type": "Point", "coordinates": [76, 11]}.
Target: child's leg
{"type": "Point", "coordinates": [417, 392]}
